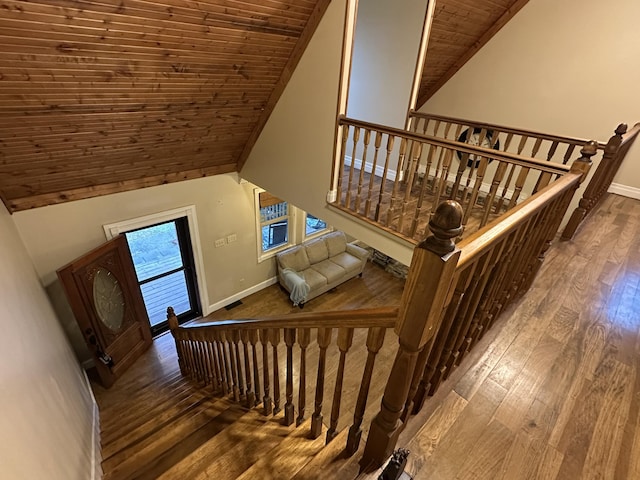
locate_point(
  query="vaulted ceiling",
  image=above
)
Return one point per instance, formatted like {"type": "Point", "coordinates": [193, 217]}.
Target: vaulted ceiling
{"type": "Point", "coordinates": [104, 96]}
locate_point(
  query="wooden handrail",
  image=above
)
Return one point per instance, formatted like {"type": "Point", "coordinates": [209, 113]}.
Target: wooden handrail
{"type": "Point", "coordinates": [520, 160]}
{"type": "Point", "coordinates": [505, 129]}
{"type": "Point", "coordinates": [384, 317]}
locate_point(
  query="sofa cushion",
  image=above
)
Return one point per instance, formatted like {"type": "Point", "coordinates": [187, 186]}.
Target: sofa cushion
{"type": "Point", "coordinates": [294, 258]}
{"type": "Point", "coordinates": [348, 262]}
{"type": "Point", "coordinates": [331, 271]}
{"type": "Point", "coordinates": [336, 243]}
{"type": "Point", "coordinates": [316, 250]}
{"type": "Point", "coordinates": [314, 279]}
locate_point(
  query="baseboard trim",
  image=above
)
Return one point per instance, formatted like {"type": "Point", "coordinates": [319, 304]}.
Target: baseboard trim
{"type": "Point", "coordinates": [96, 454]}
{"type": "Point", "coordinates": [624, 190]}
{"type": "Point", "coordinates": [368, 166]}
{"type": "Point", "coordinates": [243, 293]}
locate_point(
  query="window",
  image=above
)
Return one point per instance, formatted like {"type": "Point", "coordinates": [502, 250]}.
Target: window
{"type": "Point", "coordinates": [164, 266]}
{"type": "Point", "coordinates": [274, 223]}
{"type": "Point", "coordinates": [313, 225]}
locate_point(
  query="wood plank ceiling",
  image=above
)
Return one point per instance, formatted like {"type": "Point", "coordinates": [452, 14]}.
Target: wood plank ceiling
{"type": "Point", "coordinates": [460, 28]}
{"type": "Point", "coordinates": [103, 96]}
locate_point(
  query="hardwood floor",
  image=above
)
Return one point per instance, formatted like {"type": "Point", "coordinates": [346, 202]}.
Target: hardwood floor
{"type": "Point", "coordinates": [552, 391]}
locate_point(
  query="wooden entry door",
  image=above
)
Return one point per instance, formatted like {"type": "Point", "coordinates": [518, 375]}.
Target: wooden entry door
{"type": "Point", "coordinates": [104, 295]}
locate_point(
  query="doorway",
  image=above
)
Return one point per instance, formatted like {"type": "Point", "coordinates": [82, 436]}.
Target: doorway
{"type": "Point", "coordinates": [164, 264]}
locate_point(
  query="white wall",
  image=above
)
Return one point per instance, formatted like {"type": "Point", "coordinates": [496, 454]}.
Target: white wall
{"type": "Point", "coordinates": [386, 44]}
{"type": "Point", "coordinates": [293, 156]}
{"type": "Point", "coordinates": [45, 405]}
{"type": "Point", "coordinates": [57, 234]}
{"type": "Point", "coordinates": [569, 68]}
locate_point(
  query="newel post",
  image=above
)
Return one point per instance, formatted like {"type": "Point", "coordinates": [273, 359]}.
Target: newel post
{"type": "Point", "coordinates": [428, 283]}
{"type": "Point", "coordinates": [583, 165]}
{"type": "Point", "coordinates": [173, 327]}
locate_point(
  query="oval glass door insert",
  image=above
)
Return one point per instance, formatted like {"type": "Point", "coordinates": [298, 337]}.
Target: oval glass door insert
{"type": "Point", "coordinates": [108, 299]}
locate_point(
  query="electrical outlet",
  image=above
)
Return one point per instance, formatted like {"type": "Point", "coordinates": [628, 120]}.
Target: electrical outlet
{"type": "Point", "coordinates": [232, 238]}
{"type": "Point", "coordinates": [220, 242]}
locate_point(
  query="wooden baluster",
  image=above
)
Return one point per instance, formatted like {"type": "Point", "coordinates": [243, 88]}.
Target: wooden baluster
{"type": "Point", "coordinates": [191, 369]}
{"type": "Point", "coordinates": [425, 126]}
{"type": "Point", "coordinates": [536, 147]}
{"type": "Point", "coordinates": [552, 150]}
{"type": "Point", "coordinates": [213, 378]}
{"type": "Point", "coordinates": [197, 356]}
{"type": "Point", "coordinates": [363, 167]}
{"type": "Point", "coordinates": [444, 176]}
{"type": "Point", "coordinates": [590, 195]}
{"type": "Point", "coordinates": [427, 287]}
{"type": "Point", "coordinates": [345, 339]}
{"type": "Point", "coordinates": [214, 362]}
{"type": "Point", "coordinates": [324, 340]}
{"type": "Point", "coordinates": [472, 171]}
{"type": "Point", "coordinates": [568, 153]}
{"type": "Point", "coordinates": [462, 166]}
{"type": "Point", "coordinates": [304, 338]}
{"type": "Point", "coordinates": [343, 154]}
{"type": "Point", "coordinates": [250, 394]}
{"type": "Point", "coordinates": [274, 338]}
{"type": "Point", "coordinates": [222, 361]}
{"type": "Point", "coordinates": [289, 340]}
{"type": "Point", "coordinates": [356, 137]}
{"type": "Point", "coordinates": [375, 339]}
{"type": "Point", "coordinates": [490, 198]}
{"type": "Point", "coordinates": [436, 127]}
{"type": "Point", "coordinates": [235, 374]}
{"type": "Point", "coordinates": [377, 143]}
{"type": "Point", "coordinates": [396, 182]}
{"type": "Point", "coordinates": [423, 191]}
{"type": "Point", "coordinates": [266, 400]}
{"type": "Point", "coordinates": [439, 165]}
{"type": "Point", "coordinates": [416, 152]}
{"type": "Point", "coordinates": [500, 203]}
{"type": "Point", "coordinates": [522, 177]}
{"type": "Point", "coordinates": [473, 199]}
{"type": "Point", "coordinates": [253, 339]}
{"type": "Point", "coordinates": [235, 337]}
{"type": "Point", "coordinates": [383, 181]}
{"type": "Point", "coordinates": [523, 141]}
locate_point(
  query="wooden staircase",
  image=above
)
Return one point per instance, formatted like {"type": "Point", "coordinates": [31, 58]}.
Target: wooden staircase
{"type": "Point", "coordinates": [179, 430]}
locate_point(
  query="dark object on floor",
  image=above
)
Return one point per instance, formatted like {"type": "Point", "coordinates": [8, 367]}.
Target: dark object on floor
{"type": "Point", "coordinates": [395, 468]}
{"type": "Point", "coordinates": [235, 304]}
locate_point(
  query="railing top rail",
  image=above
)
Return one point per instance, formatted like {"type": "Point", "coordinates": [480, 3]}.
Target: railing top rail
{"type": "Point", "coordinates": [503, 128]}
{"type": "Point", "coordinates": [361, 318]}
{"type": "Point", "coordinates": [480, 241]}
{"type": "Point", "coordinates": [631, 134]}
{"type": "Point", "coordinates": [521, 160]}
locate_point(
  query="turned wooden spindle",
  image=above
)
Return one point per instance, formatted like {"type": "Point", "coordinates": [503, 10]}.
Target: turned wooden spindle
{"type": "Point", "coordinates": [343, 153]}
{"type": "Point", "coordinates": [426, 290]}
{"type": "Point", "coordinates": [250, 395]}
{"type": "Point", "coordinates": [396, 182]}
{"type": "Point", "coordinates": [385, 172]}
{"type": "Point", "coordinates": [377, 143]}
{"type": "Point", "coordinates": [304, 338]}
{"type": "Point", "coordinates": [324, 339]}
{"type": "Point", "coordinates": [225, 375]}
{"type": "Point", "coordinates": [356, 138]}
{"type": "Point", "coordinates": [375, 339]}
{"type": "Point", "coordinates": [274, 339]}
{"type": "Point", "coordinates": [365, 151]}
{"type": "Point", "coordinates": [416, 152]}
{"type": "Point", "coordinates": [345, 339]}
{"type": "Point", "coordinates": [266, 400]}
{"type": "Point", "coordinates": [253, 340]}
{"type": "Point", "coordinates": [289, 340]}
{"type": "Point", "coordinates": [235, 374]}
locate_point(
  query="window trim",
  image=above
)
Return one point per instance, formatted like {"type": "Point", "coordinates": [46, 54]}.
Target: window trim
{"type": "Point", "coordinates": [306, 237]}
{"type": "Point", "coordinates": [114, 229]}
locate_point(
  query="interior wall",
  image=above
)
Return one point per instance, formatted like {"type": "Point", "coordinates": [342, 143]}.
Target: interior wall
{"type": "Point", "coordinates": [57, 234]}
{"type": "Point", "coordinates": [386, 44]}
{"type": "Point", "coordinates": [46, 406]}
{"type": "Point", "coordinates": [294, 154]}
{"type": "Point", "coordinates": [568, 68]}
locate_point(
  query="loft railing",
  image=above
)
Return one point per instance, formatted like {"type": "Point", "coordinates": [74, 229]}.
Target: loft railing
{"type": "Point", "coordinates": [455, 293]}
{"type": "Point", "coordinates": [543, 146]}
{"type": "Point", "coordinates": [392, 178]}
{"type": "Point", "coordinates": [225, 355]}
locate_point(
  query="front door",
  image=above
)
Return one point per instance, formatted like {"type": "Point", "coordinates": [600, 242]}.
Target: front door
{"type": "Point", "coordinates": [105, 298]}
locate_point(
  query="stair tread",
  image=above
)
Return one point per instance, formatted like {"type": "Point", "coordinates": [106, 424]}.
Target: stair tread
{"type": "Point", "coordinates": [154, 454]}
{"type": "Point", "coordinates": [234, 450]}
{"type": "Point", "coordinates": [332, 461]}
{"type": "Point", "coordinates": [288, 457]}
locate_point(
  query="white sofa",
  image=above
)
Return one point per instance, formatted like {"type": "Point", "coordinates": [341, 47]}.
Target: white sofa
{"type": "Point", "coordinates": [316, 266]}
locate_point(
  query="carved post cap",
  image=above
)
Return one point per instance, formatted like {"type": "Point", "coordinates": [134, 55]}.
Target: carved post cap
{"type": "Point", "coordinates": [171, 317]}
{"type": "Point", "coordinates": [622, 129]}
{"type": "Point", "coordinates": [589, 149]}
{"type": "Point", "coordinates": [170, 312]}
{"type": "Point", "coordinates": [445, 225]}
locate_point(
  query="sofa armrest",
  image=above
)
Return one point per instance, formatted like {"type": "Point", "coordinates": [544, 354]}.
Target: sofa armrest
{"type": "Point", "coordinates": [296, 285]}
{"type": "Point", "coordinates": [358, 252]}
